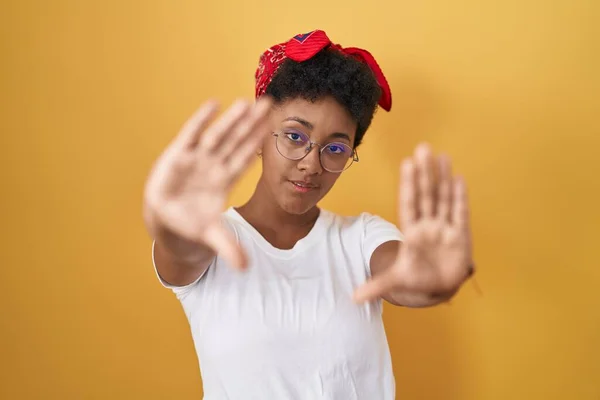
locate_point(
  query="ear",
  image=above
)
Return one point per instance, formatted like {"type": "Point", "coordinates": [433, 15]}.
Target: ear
{"type": "Point", "coordinates": [271, 126]}
{"type": "Point", "coordinates": [260, 148]}
{"type": "Point", "coordinates": [267, 142]}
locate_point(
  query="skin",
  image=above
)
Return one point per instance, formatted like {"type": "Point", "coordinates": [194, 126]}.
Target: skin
{"type": "Point", "coordinates": [188, 186]}
{"type": "Point", "coordinates": [292, 213]}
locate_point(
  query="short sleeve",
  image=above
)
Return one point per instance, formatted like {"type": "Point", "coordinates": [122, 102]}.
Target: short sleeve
{"type": "Point", "coordinates": [180, 291]}
{"type": "Point", "coordinates": [377, 231]}
{"type": "Point", "coordinates": [183, 291]}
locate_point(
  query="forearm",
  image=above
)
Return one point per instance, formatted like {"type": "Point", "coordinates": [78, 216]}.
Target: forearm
{"type": "Point", "coordinates": [178, 261]}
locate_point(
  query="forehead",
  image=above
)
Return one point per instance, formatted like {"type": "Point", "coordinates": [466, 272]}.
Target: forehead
{"type": "Point", "coordinates": [326, 116]}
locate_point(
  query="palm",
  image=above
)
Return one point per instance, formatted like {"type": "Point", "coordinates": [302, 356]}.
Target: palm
{"type": "Point", "coordinates": [435, 254]}
{"type": "Point", "coordinates": [434, 219]}
{"type": "Point", "coordinates": [189, 184]}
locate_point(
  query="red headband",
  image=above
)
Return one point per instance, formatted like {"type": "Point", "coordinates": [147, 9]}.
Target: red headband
{"type": "Point", "coordinates": [304, 47]}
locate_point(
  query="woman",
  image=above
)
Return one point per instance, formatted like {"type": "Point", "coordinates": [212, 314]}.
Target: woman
{"type": "Point", "coordinates": [284, 299]}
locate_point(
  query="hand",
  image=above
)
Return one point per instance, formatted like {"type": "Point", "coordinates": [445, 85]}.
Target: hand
{"type": "Point", "coordinates": [188, 186]}
{"type": "Point", "coordinates": [435, 257]}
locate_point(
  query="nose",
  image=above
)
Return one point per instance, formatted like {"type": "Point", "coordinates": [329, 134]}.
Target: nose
{"type": "Point", "coordinates": [311, 163]}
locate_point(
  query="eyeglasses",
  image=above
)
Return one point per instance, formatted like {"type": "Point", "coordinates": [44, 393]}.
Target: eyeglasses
{"type": "Point", "coordinates": [334, 156]}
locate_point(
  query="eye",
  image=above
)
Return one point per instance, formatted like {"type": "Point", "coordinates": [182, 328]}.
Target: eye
{"type": "Point", "coordinates": [337, 149]}
{"type": "Point", "coordinates": [295, 137]}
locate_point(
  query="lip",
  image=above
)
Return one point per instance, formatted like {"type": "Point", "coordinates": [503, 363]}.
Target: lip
{"type": "Point", "coordinates": [305, 188]}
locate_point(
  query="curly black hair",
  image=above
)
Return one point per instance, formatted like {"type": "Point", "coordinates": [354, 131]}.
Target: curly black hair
{"type": "Point", "coordinates": [330, 73]}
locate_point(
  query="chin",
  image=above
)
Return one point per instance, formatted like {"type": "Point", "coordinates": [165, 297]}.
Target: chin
{"type": "Point", "coordinates": [298, 204]}
{"type": "Point", "coordinates": [296, 207]}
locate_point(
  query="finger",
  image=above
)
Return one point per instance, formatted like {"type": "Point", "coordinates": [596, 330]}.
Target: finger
{"type": "Point", "coordinates": [224, 244]}
{"type": "Point", "coordinates": [246, 152]}
{"type": "Point", "coordinates": [408, 194]}
{"type": "Point", "coordinates": [375, 288]}
{"type": "Point", "coordinates": [425, 179]}
{"type": "Point", "coordinates": [220, 131]}
{"type": "Point", "coordinates": [247, 129]}
{"type": "Point", "coordinates": [445, 188]}
{"type": "Point", "coordinates": [460, 208]}
{"type": "Point", "coordinates": [196, 124]}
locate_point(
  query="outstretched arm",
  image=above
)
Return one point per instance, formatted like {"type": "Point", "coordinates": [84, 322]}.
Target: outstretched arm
{"type": "Point", "coordinates": [435, 258]}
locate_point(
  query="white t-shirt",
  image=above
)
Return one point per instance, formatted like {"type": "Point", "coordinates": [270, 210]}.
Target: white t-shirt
{"type": "Point", "coordinates": [287, 328]}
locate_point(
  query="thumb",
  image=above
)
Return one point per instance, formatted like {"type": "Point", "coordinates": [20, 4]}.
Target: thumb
{"type": "Point", "coordinates": [374, 288]}
{"type": "Point", "coordinates": [224, 244]}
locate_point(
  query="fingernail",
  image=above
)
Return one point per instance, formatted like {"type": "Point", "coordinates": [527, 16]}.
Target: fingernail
{"type": "Point", "coordinates": [406, 167]}
{"type": "Point", "coordinates": [423, 149]}
{"type": "Point", "coordinates": [357, 298]}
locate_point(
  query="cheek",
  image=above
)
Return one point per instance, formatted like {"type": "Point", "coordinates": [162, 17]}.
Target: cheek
{"type": "Point", "coordinates": [327, 181]}
{"type": "Point", "coordinates": [274, 165]}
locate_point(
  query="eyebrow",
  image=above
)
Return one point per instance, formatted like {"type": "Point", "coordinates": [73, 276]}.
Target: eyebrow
{"type": "Point", "coordinates": [310, 126]}
{"type": "Point", "coordinates": [301, 121]}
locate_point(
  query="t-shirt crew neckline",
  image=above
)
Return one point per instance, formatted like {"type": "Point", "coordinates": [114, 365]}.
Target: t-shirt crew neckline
{"type": "Point", "coordinates": [301, 245]}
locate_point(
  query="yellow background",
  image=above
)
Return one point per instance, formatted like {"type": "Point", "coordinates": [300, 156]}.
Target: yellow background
{"type": "Point", "coordinates": [91, 93]}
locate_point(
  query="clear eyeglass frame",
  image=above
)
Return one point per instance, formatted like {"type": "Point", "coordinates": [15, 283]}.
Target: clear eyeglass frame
{"type": "Point", "coordinates": [309, 146]}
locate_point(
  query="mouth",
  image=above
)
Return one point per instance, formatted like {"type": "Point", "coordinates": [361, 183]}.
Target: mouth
{"type": "Point", "coordinates": [303, 187]}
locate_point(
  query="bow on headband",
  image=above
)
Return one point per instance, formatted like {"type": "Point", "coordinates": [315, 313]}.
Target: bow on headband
{"type": "Point", "coordinates": [305, 46]}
